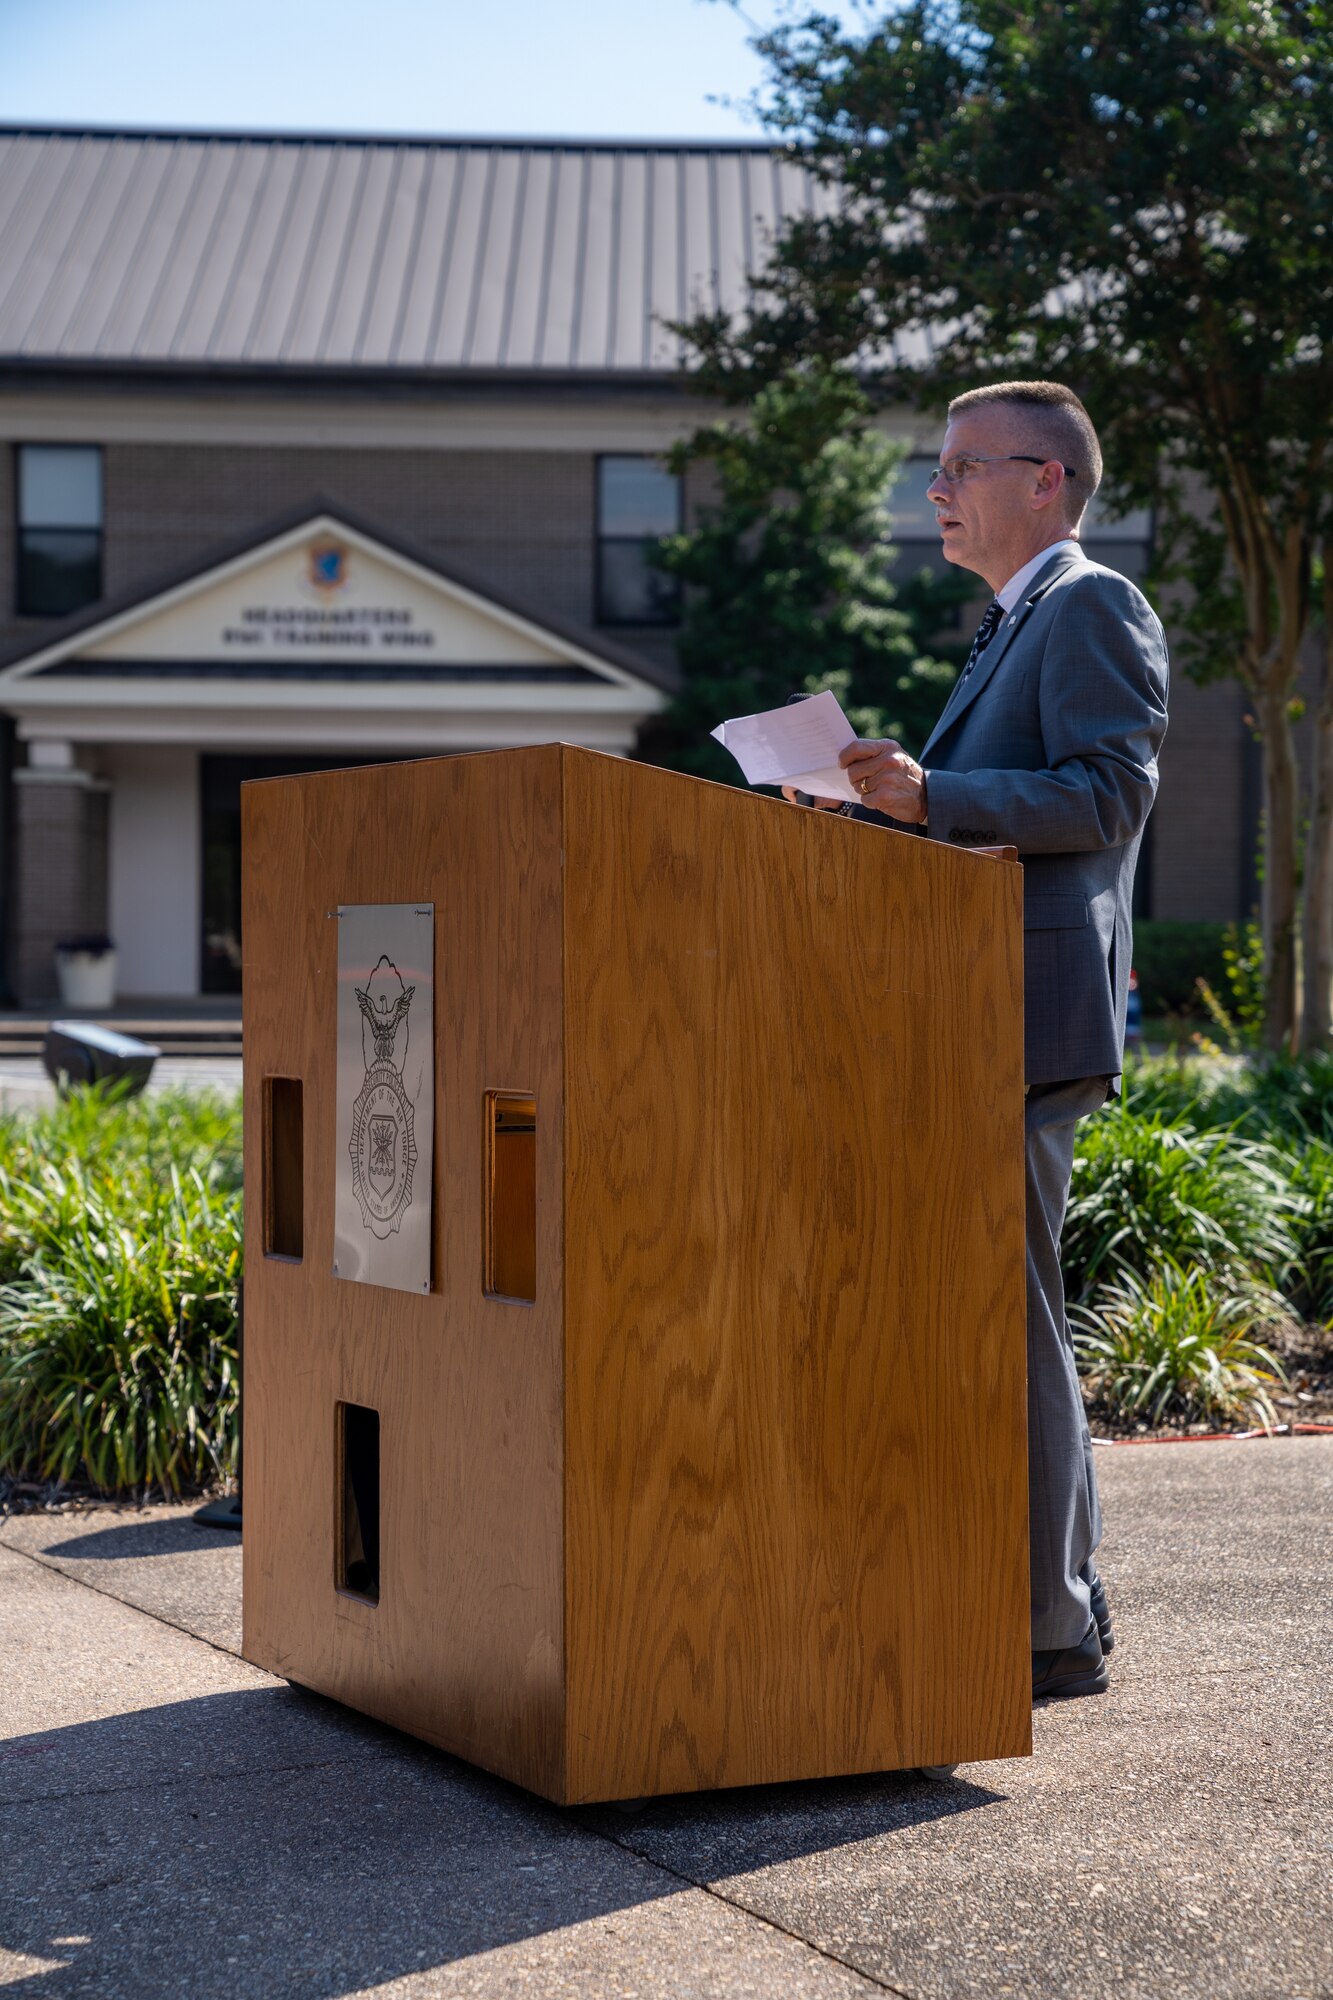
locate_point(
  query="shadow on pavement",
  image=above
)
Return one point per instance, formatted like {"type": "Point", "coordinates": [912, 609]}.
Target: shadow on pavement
{"type": "Point", "coordinates": [709, 1835]}
{"type": "Point", "coordinates": [178, 1536]}
{"type": "Point", "coordinates": [267, 1841]}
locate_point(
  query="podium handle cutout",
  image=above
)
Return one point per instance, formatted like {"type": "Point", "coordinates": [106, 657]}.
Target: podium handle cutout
{"type": "Point", "coordinates": [358, 1565]}
{"type": "Point", "coordinates": [284, 1168]}
{"type": "Point", "coordinates": [511, 1197]}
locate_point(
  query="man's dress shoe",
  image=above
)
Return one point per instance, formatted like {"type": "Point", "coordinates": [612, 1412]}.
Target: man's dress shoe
{"type": "Point", "coordinates": [1070, 1670]}
{"type": "Point", "coordinates": [1101, 1612]}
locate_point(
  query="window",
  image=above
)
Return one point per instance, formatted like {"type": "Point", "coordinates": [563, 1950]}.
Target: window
{"type": "Point", "coordinates": [637, 501]}
{"type": "Point", "coordinates": [59, 528]}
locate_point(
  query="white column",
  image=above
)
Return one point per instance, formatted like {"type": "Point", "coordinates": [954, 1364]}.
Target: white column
{"type": "Point", "coordinates": [155, 865]}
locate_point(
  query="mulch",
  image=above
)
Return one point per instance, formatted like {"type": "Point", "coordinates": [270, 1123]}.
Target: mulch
{"type": "Point", "coordinates": [1303, 1406]}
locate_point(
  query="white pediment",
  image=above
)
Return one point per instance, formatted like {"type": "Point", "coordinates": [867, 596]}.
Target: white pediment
{"type": "Point", "coordinates": [325, 598]}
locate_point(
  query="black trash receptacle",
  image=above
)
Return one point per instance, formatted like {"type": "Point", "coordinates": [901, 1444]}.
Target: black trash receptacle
{"type": "Point", "coordinates": [85, 1052]}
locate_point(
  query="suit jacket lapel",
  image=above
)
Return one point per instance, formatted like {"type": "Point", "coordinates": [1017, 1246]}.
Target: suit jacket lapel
{"type": "Point", "coordinates": [964, 693]}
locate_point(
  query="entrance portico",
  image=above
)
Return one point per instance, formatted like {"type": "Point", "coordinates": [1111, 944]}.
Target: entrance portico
{"type": "Point", "coordinates": [320, 643]}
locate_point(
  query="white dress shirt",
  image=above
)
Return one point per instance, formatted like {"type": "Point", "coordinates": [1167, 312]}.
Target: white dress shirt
{"type": "Point", "coordinates": [1021, 578]}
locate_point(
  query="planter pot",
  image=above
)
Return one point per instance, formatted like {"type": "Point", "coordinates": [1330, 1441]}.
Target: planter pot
{"type": "Point", "coordinates": [87, 978]}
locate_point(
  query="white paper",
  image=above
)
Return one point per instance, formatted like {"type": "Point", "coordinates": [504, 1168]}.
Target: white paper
{"type": "Point", "coordinates": [797, 745]}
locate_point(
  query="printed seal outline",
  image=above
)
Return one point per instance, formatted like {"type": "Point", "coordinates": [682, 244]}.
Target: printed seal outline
{"type": "Point", "coordinates": [383, 1099]}
{"type": "Point", "coordinates": [381, 1076]}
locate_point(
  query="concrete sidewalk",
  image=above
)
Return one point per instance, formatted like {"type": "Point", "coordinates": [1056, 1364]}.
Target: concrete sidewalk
{"type": "Point", "coordinates": [178, 1824]}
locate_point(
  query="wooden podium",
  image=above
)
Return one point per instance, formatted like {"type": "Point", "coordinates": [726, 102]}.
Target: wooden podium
{"type": "Point", "coordinates": [702, 1461]}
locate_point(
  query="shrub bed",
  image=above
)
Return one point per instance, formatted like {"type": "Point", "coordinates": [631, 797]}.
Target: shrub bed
{"type": "Point", "coordinates": [1198, 1246]}
{"type": "Point", "coordinates": [120, 1256]}
{"type": "Point", "coordinates": [1198, 1253]}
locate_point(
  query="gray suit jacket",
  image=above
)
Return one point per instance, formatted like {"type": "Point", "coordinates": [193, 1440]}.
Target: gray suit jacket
{"type": "Point", "coordinates": [1051, 745]}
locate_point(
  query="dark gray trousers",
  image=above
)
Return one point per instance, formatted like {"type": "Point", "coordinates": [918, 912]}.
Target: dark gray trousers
{"type": "Point", "coordinates": [1065, 1517]}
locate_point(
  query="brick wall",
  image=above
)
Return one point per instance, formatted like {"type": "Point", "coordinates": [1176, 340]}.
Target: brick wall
{"type": "Point", "coordinates": [8, 497]}
{"type": "Point", "coordinates": [524, 522]}
{"type": "Point", "coordinates": [521, 521]}
{"type": "Point", "coordinates": [1200, 844]}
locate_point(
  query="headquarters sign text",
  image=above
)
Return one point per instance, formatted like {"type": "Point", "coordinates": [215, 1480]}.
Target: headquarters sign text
{"type": "Point", "coordinates": [367, 627]}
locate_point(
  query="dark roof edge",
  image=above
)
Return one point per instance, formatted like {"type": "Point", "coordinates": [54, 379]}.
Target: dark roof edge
{"type": "Point", "coordinates": [258, 135]}
{"type": "Point", "coordinates": [353, 374]}
{"type": "Point", "coordinates": [293, 517]}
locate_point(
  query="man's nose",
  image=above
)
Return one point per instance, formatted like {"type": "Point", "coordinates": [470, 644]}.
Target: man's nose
{"type": "Point", "coordinates": [938, 493]}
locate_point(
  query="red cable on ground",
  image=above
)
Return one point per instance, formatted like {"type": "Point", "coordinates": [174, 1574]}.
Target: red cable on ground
{"type": "Point", "coordinates": [1231, 1437]}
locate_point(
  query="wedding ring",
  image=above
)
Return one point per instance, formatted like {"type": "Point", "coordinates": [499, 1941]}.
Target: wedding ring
{"type": "Point", "coordinates": [863, 785]}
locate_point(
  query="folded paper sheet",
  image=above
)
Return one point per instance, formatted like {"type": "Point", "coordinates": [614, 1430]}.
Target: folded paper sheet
{"type": "Point", "coordinates": [797, 745]}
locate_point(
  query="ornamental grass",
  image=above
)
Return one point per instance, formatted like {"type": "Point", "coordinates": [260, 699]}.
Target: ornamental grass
{"type": "Point", "coordinates": [1199, 1236]}
{"type": "Point", "coordinates": [1180, 1345]}
{"type": "Point", "coordinates": [120, 1256]}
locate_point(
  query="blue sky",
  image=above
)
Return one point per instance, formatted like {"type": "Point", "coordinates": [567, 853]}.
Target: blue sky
{"type": "Point", "coordinates": [597, 68]}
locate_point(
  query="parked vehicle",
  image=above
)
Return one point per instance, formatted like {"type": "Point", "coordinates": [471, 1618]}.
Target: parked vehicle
{"type": "Point", "coordinates": [1134, 1015]}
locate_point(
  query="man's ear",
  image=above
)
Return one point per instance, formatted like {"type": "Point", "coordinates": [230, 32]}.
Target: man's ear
{"type": "Point", "coordinates": [1050, 485]}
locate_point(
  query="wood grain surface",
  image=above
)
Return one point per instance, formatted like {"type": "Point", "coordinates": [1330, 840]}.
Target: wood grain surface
{"type": "Point", "coordinates": [796, 1499]}
{"type": "Point", "coordinates": [465, 1646]}
{"type": "Point", "coordinates": [741, 1495]}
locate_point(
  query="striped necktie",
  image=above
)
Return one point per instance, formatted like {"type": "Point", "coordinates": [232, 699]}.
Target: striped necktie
{"type": "Point", "coordinates": [985, 633]}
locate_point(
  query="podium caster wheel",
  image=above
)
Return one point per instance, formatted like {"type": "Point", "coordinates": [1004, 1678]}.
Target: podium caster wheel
{"type": "Point", "coordinates": [937, 1771]}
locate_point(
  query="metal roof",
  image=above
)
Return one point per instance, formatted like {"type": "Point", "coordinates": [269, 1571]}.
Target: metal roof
{"type": "Point", "coordinates": [233, 250]}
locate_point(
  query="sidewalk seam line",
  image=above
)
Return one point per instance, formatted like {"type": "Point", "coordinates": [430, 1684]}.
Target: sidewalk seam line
{"type": "Point", "coordinates": [757, 1916]}
{"type": "Point", "coordinates": [86, 1583]}
{"type": "Point", "coordinates": [705, 1888]}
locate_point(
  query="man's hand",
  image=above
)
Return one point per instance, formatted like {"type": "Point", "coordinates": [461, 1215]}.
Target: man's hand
{"type": "Point", "coordinates": [887, 779]}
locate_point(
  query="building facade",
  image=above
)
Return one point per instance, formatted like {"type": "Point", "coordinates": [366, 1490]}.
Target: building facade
{"type": "Point", "coordinates": [328, 450]}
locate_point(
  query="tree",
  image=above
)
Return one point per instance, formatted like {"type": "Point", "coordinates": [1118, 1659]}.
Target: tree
{"type": "Point", "coordinates": [785, 575]}
{"type": "Point", "coordinates": [1137, 199]}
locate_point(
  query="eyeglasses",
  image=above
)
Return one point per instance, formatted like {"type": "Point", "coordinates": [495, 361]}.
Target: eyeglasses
{"type": "Point", "coordinates": [955, 471]}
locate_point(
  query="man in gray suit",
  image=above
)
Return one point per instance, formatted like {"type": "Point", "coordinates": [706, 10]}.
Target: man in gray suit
{"type": "Point", "coordinates": [1048, 742]}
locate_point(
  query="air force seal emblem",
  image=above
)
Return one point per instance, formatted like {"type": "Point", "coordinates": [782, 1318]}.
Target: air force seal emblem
{"type": "Point", "coordinates": [383, 1148]}
{"type": "Point", "coordinates": [327, 572]}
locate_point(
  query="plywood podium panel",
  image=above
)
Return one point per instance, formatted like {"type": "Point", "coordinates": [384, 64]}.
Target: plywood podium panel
{"type": "Point", "coordinates": [732, 1495]}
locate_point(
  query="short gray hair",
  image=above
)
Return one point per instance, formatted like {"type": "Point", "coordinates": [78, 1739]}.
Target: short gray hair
{"type": "Point", "coordinates": [1057, 425]}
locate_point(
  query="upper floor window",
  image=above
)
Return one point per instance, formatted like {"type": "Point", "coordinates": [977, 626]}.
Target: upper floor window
{"type": "Point", "coordinates": [59, 528]}
{"type": "Point", "coordinates": [638, 501]}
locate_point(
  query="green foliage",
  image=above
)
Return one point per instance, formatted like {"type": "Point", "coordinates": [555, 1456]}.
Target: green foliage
{"type": "Point", "coordinates": [1240, 1017]}
{"type": "Point", "coordinates": [1286, 1100]}
{"type": "Point", "coordinates": [1135, 200]}
{"type": "Point", "coordinates": [785, 576]}
{"type": "Point", "coordinates": [120, 1255]}
{"type": "Point", "coordinates": [1293, 1096]}
{"type": "Point", "coordinates": [1170, 959]}
{"type": "Point", "coordinates": [1312, 1184]}
{"type": "Point", "coordinates": [1200, 1206]}
{"type": "Point", "coordinates": [1179, 1345]}
{"type": "Point", "coordinates": [1209, 1190]}
{"type": "Point", "coordinates": [1147, 1192]}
